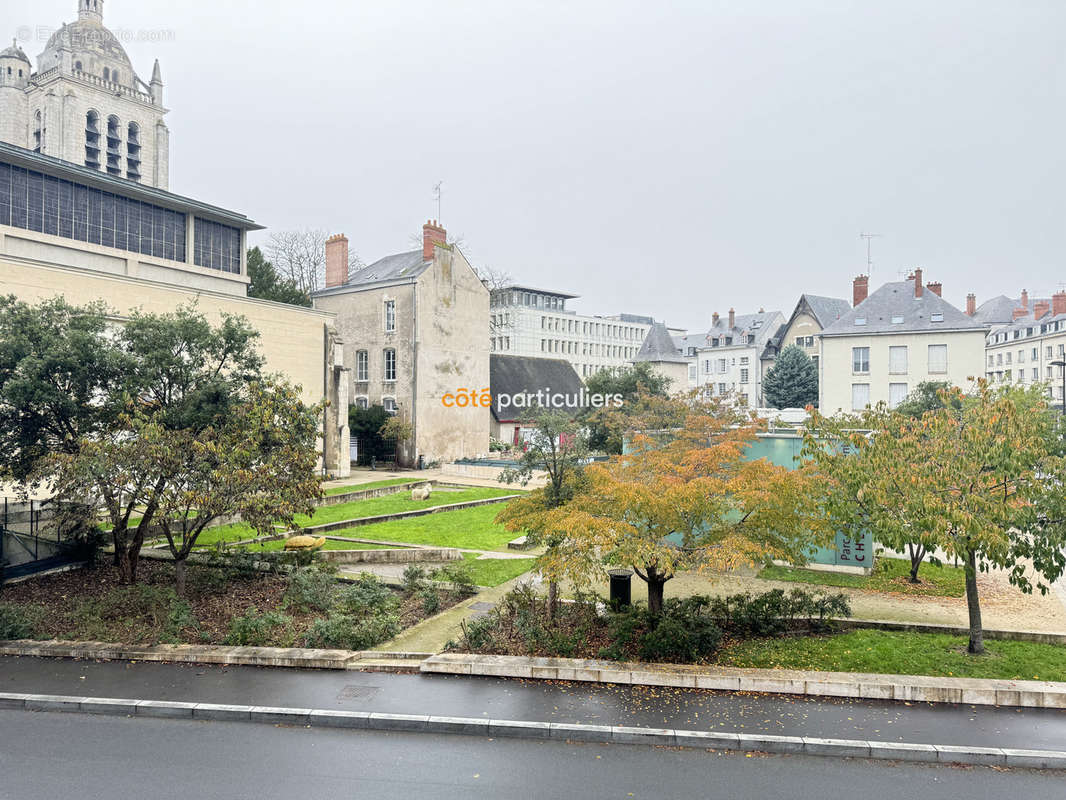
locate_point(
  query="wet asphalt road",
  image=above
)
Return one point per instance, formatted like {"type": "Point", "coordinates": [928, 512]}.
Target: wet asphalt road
{"type": "Point", "coordinates": [550, 701]}
{"type": "Point", "coordinates": [54, 756]}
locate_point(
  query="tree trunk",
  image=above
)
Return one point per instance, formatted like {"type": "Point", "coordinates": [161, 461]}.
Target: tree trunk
{"type": "Point", "coordinates": [656, 584]}
{"type": "Point", "coordinates": [179, 575]}
{"type": "Point", "coordinates": [917, 553]}
{"type": "Point", "coordinates": [973, 605]}
{"type": "Point", "coordinates": [553, 599]}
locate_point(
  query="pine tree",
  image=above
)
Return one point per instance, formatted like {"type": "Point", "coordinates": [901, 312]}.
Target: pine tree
{"type": "Point", "coordinates": [792, 382]}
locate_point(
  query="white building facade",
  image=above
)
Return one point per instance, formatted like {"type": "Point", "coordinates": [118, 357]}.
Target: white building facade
{"type": "Point", "coordinates": [900, 336]}
{"type": "Point", "coordinates": [1022, 352]}
{"type": "Point", "coordinates": [536, 323]}
{"type": "Point", "coordinates": [729, 362]}
{"type": "Point", "coordinates": [85, 104]}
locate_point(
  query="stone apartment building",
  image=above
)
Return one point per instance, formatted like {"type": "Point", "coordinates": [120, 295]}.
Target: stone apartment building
{"type": "Point", "coordinates": [416, 326]}
{"type": "Point", "coordinates": [87, 232]}
{"type": "Point", "coordinates": [85, 104]}
{"type": "Point", "coordinates": [1024, 350]}
{"type": "Point", "coordinates": [892, 340]}
{"type": "Point", "coordinates": [729, 359]}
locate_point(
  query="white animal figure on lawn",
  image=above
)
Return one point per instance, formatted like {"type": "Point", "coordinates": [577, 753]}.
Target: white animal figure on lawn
{"type": "Point", "coordinates": [421, 492]}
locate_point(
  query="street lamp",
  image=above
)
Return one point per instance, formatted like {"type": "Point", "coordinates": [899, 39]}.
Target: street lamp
{"type": "Point", "coordinates": [1062, 370]}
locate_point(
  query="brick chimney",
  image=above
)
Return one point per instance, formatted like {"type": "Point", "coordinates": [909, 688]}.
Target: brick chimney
{"type": "Point", "coordinates": [1058, 303]}
{"type": "Point", "coordinates": [971, 304]}
{"type": "Point", "coordinates": [917, 282]}
{"type": "Point", "coordinates": [860, 288]}
{"type": "Point", "coordinates": [336, 260]}
{"type": "Point", "coordinates": [732, 319]}
{"type": "Point", "coordinates": [714, 319]}
{"type": "Point", "coordinates": [936, 288]}
{"type": "Point", "coordinates": [1040, 308]}
{"type": "Point", "coordinates": [1018, 313]}
{"type": "Point", "coordinates": [432, 234]}
{"type": "Point", "coordinates": [1025, 298]}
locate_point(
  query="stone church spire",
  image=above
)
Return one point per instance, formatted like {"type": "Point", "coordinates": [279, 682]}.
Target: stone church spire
{"type": "Point", "coordinates": [91, 9]}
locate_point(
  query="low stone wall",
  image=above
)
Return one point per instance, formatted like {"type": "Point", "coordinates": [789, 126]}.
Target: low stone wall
{"type": "Point", "coordinates": [318, 530]}
{"type": "Point", "coordinates": [1042, 637]}
{"type": "Point", "coordinates": [366, 494]}
{"type": "Point", "coordinates": [410, 555]}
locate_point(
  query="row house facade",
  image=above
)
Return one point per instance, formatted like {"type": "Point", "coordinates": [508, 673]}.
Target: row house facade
{"type": "Point", "coordinates": [1031, 348]}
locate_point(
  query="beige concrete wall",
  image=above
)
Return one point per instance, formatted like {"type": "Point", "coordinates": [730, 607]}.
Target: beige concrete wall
{"type": "Point", "coordinates": [293, 340]}
{"type": "Point", "coordinates": [677, 374]}
{"type": "Point", "coordinates": [966, 355]}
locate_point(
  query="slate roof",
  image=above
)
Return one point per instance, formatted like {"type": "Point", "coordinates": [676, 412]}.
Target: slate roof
{"type": "Point", "coordinates": [683, 343]}
{"type": "Point", "coordinates": [896, 299]}
{"type": "Point", "coordinates": [515, 375]}
{"type": "Point", "coordinates": [826, 310]}
{"type": "Point", "coordinates": [763, 325]}
{"type": "Point", "coordinates": [1000, 310]}
{"type": "Point", "coordinates": [391, 268]}
{"type": "Point", "coordinates": [659, 346]}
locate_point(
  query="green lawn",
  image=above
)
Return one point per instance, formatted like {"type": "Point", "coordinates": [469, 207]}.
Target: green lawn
{"type": "Point", "coordinates": [900, 653]}
{"type": "Point", "coordinates": [889, 575]}
{"type": "Point", "coordinates": [494, 571]}
{"type": "Point", "coordinates": [472, 528]}
{"type": "Point", "coordinates": [357, 509]}
{"type": "Point", "coordinates": [358, 487]}
{"type": "Point", "coordinates": [279, 544]}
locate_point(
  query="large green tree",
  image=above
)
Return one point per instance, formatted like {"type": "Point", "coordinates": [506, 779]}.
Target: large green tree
{"type": "Point", "coordinates": [978, 478]}
{"type": "Point", "coordinates": [61, 380]}
{"type": "Point", "coordinates": [268, 284]}
{"type": "Point", "coordinates": [792, 382]}
{"type": "Point", "coordinates": [256, 461]}
{"type": "Point", "coordinates": [606, 427]}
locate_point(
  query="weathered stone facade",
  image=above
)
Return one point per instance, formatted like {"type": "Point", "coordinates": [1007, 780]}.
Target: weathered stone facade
{"type": "Point", "coordinates": [415, 328]}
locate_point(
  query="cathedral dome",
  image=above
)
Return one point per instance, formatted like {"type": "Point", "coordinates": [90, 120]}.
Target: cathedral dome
{"type": "Point", "coordinates": [14, 52]}
{"type": "Point", "coordinates": [92, 47]}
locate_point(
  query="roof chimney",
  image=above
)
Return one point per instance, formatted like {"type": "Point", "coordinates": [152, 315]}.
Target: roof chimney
{"type": "Point", "coordinates": [1019, 313]}
{"type": "Point", "coordinates": [971, 304]}
{"type": "Point", "coordinates": [936, 288]}
{"type": "Point", "coordinates": [917, 282]}
{"type": "Point", "coordinates": [732, 319]}
{"type": "Point", "coordinates": [1040, 308]}
{"type": "Point", "coordinates": [1025, 298]}
{"type": "Point", "coordinates": [336, 260]}
{"type": "Point", "coordinates": [1058, 303]}
{"type": "Point", "coordinates": [432, 235]}
{"type": "Point", "coordinates": [860, 288]}
{"type": "Point", "coordinates": [714, 319]}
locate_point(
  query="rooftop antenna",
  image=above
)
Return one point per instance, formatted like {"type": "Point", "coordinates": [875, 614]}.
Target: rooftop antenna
{"type": "Point", "coordinates": [436, 195]}
{"type": "Point", "coordinates": [869, 237]}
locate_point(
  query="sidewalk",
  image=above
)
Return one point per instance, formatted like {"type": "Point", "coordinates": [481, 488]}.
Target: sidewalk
{"type": "Point", "coordinates": [541, 701]}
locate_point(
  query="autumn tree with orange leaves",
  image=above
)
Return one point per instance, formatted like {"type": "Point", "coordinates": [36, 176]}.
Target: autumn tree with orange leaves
{"type": "Point", "coordinates": [685, 498]}
{"type": "Point", "coordinates": [979, 478]}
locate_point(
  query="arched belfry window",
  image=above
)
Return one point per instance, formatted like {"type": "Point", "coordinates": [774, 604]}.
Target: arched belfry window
{"type": "Point", "coordinates": [114, 146]}
{"type": "Point", "coordinates": [133, 152]}
{"type": "Point", "coordinates": [40, 132]}
{"type": "Point", "coordinates": [92, 140]}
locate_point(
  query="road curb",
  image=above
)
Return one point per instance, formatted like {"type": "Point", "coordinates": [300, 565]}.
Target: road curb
{"type": "Point", "coordinates": [490, 728]}
{"type": "Point", "coordinates": [908, 688]}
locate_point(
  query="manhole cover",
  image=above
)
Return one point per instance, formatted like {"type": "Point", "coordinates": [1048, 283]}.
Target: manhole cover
{"type": "Point", "coordinates": [358, 692]}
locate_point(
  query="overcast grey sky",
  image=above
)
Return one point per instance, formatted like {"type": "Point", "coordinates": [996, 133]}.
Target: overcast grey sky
{"type": "Point", "coordinates": [662, 158]}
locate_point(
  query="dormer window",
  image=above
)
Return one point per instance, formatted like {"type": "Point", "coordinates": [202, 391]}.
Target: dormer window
{"type": "Point", "coordinates": [938, 317]}
{"type": "Point", "coordinates": [860, 320]}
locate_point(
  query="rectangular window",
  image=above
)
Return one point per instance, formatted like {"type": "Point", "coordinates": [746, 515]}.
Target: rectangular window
{"type": "Point", "coordinates": [860, 361]}
{"type": "Point", "coordinates": [860, 396]}
{"type": "Point", "coordinates": [799, 341]}
{"type": "Point", "coordinates": [938, 358]}
{"type": "Point", "coordinates": [897, 360]}
{"type": "Point", "coordinates": [362, 366]}
{"type": "Point", "coordinates": [1021, 356]}
{"type": "Point", "coordinates": [362, 402]}
{"type": "Point", "coordinates": [897, 393]}
{"type": "Point", "coordinates": [390, 365]}
{"type": "Point", "coordinates": [1036, 353]}
{"type": "Point", "coordinates": [692, 372]}
{"type": "Point", "coordinates": [1036, 374]}
{"type": "Point", "coordinates": [743, 360]}
{"type": "Point", "coordinates": [743, 376]}
{"type": "Point", "coordinates": [390, 316]}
